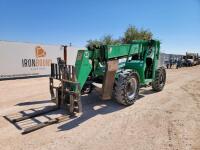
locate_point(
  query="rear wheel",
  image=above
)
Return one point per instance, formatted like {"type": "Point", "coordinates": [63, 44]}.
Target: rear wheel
{"type": "Point", "coordinates": [126, 88]}
{"type": "Point", "coordinates": [160, 79]}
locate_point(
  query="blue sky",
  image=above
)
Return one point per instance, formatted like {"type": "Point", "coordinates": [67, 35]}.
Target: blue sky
{"type": "Point", "coordinates": [175, 22]}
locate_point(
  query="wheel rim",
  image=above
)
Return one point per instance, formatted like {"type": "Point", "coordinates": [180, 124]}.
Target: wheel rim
{"type": "Point", "coordinates": [131, 88]}
{"type": "Point", "coordinates": [161, 80]}
{"type": "Point", "coordinates": [87, 89]}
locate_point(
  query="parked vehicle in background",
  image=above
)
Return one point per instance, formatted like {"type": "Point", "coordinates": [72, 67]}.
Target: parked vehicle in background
{"type": "Point", "coordinates": [198, 60]}
{"type": "Point", "coordinates": [186, 62]}
{"type": "Point", "coordinates": [192, 58]}
{"type": "Point", "coordinates": [179, 63]}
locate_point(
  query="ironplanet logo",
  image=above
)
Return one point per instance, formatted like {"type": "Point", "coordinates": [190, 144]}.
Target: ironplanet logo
{"type": "Point", "coordinates": [39, 61]}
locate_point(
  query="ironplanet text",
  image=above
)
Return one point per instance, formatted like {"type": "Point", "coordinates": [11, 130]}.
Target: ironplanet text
{"type": "Point", "coordinates": [36, 62]}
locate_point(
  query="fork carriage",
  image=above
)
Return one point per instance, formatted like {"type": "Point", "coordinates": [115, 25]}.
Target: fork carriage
{"type": "Point", "coordinates": [67, 94]}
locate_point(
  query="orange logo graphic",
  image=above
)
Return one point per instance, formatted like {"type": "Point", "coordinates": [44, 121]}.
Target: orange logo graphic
{"type": "Point", "coordinates": [39, 52]}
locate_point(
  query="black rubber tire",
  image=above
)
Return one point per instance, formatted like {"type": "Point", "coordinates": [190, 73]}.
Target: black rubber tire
{"type": "Point", "coordinates": [87, 89]}
{"type": "Point", "coordinates": [120, 88]}
{"type": "Point", "coordinates": [160, 79]}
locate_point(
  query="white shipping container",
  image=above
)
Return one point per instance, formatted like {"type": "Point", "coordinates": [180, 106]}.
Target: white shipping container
{"type": "Point", "coordinates": [27, 59]}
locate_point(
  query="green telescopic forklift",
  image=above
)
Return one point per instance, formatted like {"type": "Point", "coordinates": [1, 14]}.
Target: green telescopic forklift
{"type": "Point", "coordinates": [121, 69]}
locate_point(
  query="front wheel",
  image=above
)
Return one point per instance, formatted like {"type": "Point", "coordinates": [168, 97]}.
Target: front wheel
{"type": "Point", "coordinates": [87, 89]}
{"type": "Point", "coordinates": [160, 79]}
{"type": "Point", "coordinates": [126, 88]}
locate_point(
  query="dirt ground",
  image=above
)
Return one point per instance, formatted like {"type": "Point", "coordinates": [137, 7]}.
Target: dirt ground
{"type": "Point", "coordinates": [168, 120]}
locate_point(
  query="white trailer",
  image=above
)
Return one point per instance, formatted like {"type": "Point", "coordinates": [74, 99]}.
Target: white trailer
{"type": "Point", "coordinates": [18, 59]}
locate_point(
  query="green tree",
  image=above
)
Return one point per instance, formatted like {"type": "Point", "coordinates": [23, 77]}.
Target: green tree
{"type": "Point", "coordinates": [93, 43]}
{"type": "Point", "coordinates": [132, 33]}
{"type": "Point", "coordinates": [106, 40]}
